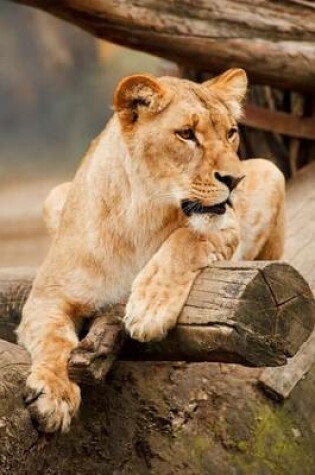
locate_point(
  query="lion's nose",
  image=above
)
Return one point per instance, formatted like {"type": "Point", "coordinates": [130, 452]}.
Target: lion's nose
{"type": "Point", "coordinates": [229, 180]}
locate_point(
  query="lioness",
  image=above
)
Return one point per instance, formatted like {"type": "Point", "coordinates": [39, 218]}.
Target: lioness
{"type": "Point", "coordinates": [160, 194]}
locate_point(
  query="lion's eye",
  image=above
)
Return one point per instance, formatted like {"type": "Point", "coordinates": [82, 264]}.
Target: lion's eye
{"type": "Point", "coordinates": [186, 134]}
{"type": "Point", "coordinates": [232, 133]}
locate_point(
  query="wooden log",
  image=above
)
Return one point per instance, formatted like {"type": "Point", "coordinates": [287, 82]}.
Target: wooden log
{"type": "Point", "coordinates": [273, 41]}
{"type": "Point", "coordinates": [300, 251]}
{"type": "Point", "coordinates": [17, 434]}
{"type": "Point", "coordinates": [96, 353]}
{"type": "Point", "coordinates": [254, 313]}
{"type": "Point", "coordinates": [15, 285]}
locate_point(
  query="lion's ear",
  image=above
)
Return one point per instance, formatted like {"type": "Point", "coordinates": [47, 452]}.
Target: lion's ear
{"type": "Point", "coordinates": [231, 86]}
{"type": "Point", "coordinates": [137, 94]}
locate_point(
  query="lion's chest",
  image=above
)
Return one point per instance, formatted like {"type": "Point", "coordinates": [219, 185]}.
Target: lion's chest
{"type": "Point", "coordinates": [119, 261]}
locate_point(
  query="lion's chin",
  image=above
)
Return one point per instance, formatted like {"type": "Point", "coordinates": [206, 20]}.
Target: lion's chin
{"type": "Point", "coordinates": [206, 223]}
{"type": "Point", "coordinates": [210, 223]}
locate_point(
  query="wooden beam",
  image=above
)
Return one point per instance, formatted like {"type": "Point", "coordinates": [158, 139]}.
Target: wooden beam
{"type": "Point", "coordinates": [279, 122]}
{"type": "Point", "coordinates": [273, 41]}
{"type": "Point", "coordinates": [254, 313]}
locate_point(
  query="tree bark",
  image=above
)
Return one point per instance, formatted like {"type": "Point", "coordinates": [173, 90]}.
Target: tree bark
{"type": "Point", "coordinates": [17, 434]}
{"type": "Point", "coordinates": [273, 41]}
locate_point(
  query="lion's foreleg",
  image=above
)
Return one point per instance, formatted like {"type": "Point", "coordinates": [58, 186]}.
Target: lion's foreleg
{"type": "Point", "coordinates": [161, 289]}
{"type": "Point", "coordinates": [47, 331]}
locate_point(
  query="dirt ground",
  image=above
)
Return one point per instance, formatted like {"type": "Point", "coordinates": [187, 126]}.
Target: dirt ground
{"type": "Point", "coordinates": [23, 237]}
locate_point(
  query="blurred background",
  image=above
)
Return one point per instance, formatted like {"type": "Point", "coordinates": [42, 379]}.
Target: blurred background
{"type": "Point", "coordinates": [56, 87]}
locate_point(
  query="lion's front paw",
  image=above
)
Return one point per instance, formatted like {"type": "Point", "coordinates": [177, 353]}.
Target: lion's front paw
{"type": "Point", "coordinates": [51, 399]}
{"type": "Point", "coordinates": [146, 322]}
{"type": "Point", "coordinates": [153, 308]}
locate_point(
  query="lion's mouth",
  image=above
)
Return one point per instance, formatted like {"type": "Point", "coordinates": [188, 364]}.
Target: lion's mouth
{"type": "Point", "coordinates": [195, 207]}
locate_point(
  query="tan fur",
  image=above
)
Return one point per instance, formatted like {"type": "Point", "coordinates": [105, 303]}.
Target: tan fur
{"type": "Point", "coordinates": [119, 226]}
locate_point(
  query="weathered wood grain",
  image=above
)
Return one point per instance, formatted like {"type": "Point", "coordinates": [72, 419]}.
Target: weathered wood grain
{"type": "Point", "coordinates": [15, 285]}
{"type": "Point", "coordinates": [100, 348]}
{"type": "Point", "coordinates": [279, 382]}
{"type": "Point", "coordinates": [17, 434]}
{"type": "Point", "coordinates": [273, 41]}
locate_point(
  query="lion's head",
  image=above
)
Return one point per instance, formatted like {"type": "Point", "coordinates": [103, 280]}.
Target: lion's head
{"type": "Point", "coordinates": [182, 137]}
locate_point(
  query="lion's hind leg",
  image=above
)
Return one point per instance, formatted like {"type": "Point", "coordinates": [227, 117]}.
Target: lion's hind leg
{"type": "Point", "coordinates": [274, 246]}
{"type": "Point", "coordinates": [261, 212]}
{"type": "Point", "coordinates": [54, 205]}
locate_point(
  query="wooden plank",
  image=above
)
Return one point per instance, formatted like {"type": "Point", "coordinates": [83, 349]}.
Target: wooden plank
{"type": "Point", "coordinates": [300, 229]}
{"type": "Point", "coordinates": [279, 122]}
